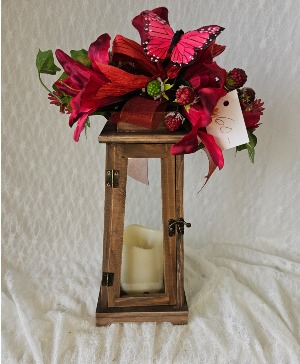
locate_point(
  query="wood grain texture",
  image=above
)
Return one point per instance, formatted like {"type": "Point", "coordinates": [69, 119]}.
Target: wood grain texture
{"type": "Point", "coordinates": [111, 156]}
{"type": "Point", "coordinates": [170, 305]}
{"type": "Point", "coordinates": [146, 150]}
{"type": "Point", "coordinates": [173, 314]}
{"type": "Point", "coordinates": [150, 299]}
{"type": "Point", "coordinates": [169, 212]}
{"type": "Point", "coordinates": [114, 212]}
{"type": "Point", "coordinates": [109, 134]}
{"type": "Point", "coordinates": [179, 166]}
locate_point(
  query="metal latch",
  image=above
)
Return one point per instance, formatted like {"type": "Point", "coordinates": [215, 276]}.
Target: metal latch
{"type": "Point", "coordinates": [107, 279]}
{"type": "Point", "coordinates": [112, 178]}
{"type": "Point", "coordinates": [180, 226]}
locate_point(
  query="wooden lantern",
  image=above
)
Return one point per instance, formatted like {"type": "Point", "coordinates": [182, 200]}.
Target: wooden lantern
{"type": "Point", "coordinates": [169, 305]}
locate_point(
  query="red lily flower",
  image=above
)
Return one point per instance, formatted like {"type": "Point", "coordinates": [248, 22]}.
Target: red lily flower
{"type": "Point", "coordinates": [83, 83]}
{"type": "Point", "coordinates": [95, 88]}
{"type": "Point", "coordinates": [207, 80]}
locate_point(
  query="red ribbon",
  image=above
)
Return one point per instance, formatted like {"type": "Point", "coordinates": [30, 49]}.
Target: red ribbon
{"type": "Point", "coordinates": [141, 111]}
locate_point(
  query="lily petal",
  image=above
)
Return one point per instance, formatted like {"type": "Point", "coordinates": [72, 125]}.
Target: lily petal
{"type": "Point", "coordinates": [98, 51]}
{"type": "Point", "coordinates": [121, 82]}
{"type": "Point", "coordinates": [125, 49]}
{"type": "Point", "coordinates": [214, 150]}
{"type": "Point", "coordinates": [188, 144]}
{"type": "Point", "coordinates": [78, 73]}
{"type": "Point", "coordinates": [198, 115]}
{"type": "Point", "coordinates": [80, 127]}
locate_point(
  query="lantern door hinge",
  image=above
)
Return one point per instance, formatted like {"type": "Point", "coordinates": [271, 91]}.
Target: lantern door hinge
{"type": "Point", "coordinates": [112, 178]}
{"type": "Point", "coordinates": [180, 226]}
{"type": "Point", "coordinates": [107, 279]}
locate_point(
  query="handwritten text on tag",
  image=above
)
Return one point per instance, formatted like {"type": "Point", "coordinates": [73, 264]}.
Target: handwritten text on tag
{"type": "Point", "coordinates": [228, 126]}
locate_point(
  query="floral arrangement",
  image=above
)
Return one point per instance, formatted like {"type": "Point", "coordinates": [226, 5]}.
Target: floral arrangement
{"type": "Point", "coordinates": [174, 72]}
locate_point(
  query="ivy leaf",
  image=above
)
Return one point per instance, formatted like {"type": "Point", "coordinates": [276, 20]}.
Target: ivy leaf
{"type": "Point", "coordinates": [81, 56]}
{"type": "Point", "coordinates": [45, 63]}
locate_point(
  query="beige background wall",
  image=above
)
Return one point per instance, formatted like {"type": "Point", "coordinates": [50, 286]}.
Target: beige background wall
{"type": "Point", "coordinates": [53, 188]}
{"type": "Point", "coordinates": [242, 285]}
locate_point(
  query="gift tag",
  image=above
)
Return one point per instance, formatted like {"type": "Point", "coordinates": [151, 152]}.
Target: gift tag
{"type": "Point", "coordinates": [228, 126]}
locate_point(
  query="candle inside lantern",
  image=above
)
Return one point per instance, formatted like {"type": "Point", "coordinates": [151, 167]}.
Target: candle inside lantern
{"type": "Point", "coordinates": [142, 260]}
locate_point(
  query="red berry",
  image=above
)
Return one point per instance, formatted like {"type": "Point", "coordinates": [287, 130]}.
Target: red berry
{"type": "Point", "coordinates": [173, 120]}
{"type": "Point", "coordinates": [185, 95]}
{"type": "Point", "coordinates": [236, 79]}
{"type": "Point", "coordinates": [247, 95]}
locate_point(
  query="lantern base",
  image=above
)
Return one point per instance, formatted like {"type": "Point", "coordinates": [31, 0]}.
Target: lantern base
{"type": "Point", "coordinates": [173, 314]}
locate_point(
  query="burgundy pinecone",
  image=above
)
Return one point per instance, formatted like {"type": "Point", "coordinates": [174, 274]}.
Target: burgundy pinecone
{"type": "Point", "coordinates": [173, 120]}
{"type": "Point", "coordinates": [185, 95]}
{"type": "Point", "coordinates": [235, 79]}
{"type": "Point", "coordinates": [247, 95]}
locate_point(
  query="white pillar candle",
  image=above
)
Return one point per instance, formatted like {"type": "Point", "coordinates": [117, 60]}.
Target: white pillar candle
{"type": "Point", "coordinates": [142, 260]}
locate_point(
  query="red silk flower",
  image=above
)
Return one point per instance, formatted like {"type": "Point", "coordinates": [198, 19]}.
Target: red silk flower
{"type": "Point", "coordinates": [207, 80]}
{"type": "Point", "coordinates": [94, 88]}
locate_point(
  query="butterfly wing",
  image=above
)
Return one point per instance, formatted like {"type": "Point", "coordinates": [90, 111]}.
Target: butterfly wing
{"type": "Point", "coordinates": [158, 36]}
{"type": "Point", "coordinates": [184, 51]}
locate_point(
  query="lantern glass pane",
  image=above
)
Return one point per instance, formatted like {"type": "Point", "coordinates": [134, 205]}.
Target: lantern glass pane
{"type": "Point", "coordinates": [142, 255]}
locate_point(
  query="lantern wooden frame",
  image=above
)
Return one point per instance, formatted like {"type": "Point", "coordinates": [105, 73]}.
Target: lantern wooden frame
{"type": "Point", "coordinates": [170, 305]}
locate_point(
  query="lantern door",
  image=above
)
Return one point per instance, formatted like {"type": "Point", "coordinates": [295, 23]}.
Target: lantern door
{"type": "Point", "coordinates": [112, 295]}
{"type": "Point", "coordinates": [117, 301]}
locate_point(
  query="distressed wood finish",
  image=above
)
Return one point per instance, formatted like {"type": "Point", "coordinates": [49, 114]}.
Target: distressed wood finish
{"type": "Point", "coordinates": [179, 238]}
{"type": "Point", "coordinates": [175, 315]}
{"type": "Point", "coordinates": [146, 150]}
{"type": "Point", "coordinates": [168, 212]}
{"type": "Point", "coordinates": [109, 134]}
{"type": "Point", "coordinates": [113, 225]}
{"type": "Point", "coordinates": [150, 299]}
{"type": "Point", "coordinates": [169, 305]}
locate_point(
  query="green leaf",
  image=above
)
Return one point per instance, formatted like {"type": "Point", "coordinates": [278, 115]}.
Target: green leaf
{"type": "Point", "coordinates": [45, 63]}
{"type": "Point", "coordinates": [81, 56]}
{"type": "Point", "coordinates": [62, 76]}
{"type": "Point", "coordinates": [250, 146]}
{"type": "Point", "coordinates": [86, 125]}
{"type": "Point", "coordinates": [253, 137]}
{"type": "Point", "coordinates": [168, 86]}
{"type": "Point", "coordinates": [187, 108]}
{"type": "Point", "coordinates": [241, 147]}
{"type": "Point", "coordinates": [200, 146]}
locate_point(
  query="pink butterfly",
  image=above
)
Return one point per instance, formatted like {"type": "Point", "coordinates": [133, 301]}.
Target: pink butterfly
{"type": "Point", "coordinates": [160, 41]}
